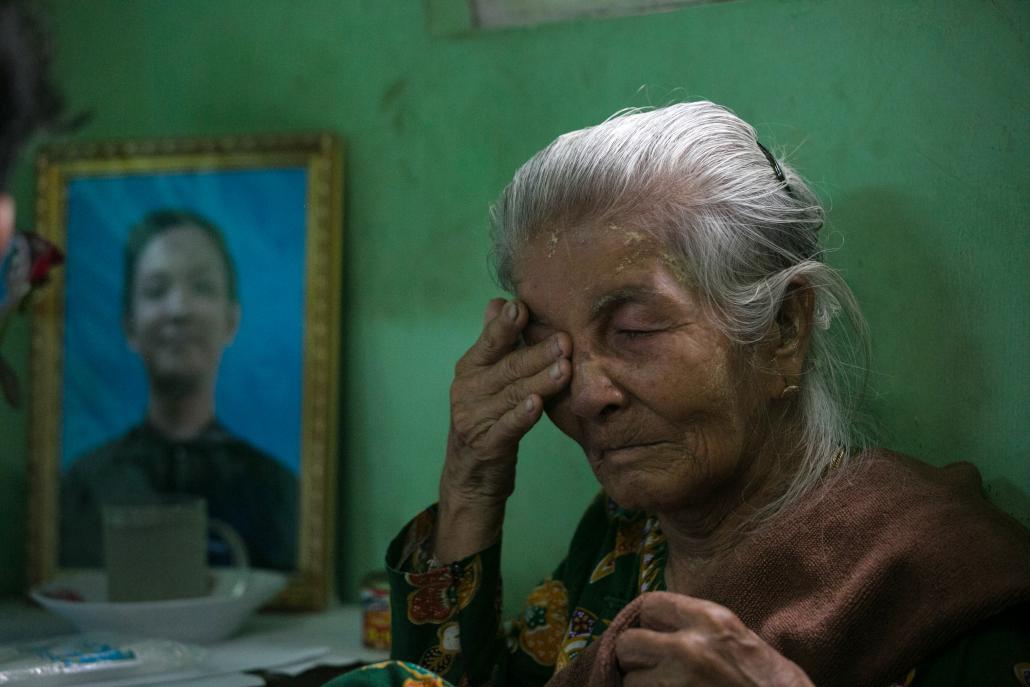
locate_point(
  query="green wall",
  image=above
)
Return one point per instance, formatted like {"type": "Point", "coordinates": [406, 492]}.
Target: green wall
{"type": "Point", "coordinates": [909, 117]}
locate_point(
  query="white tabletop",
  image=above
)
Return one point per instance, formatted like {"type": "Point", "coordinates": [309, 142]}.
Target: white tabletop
{"type": "Point", "coordinates": [334, 634]}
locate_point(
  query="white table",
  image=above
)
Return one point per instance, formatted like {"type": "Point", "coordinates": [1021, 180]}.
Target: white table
{"type": "Point", "coordinates": [337, 629]}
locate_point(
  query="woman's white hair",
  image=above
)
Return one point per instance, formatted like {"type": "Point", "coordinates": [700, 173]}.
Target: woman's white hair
{"type": "Point", "coordinates": [740, 227]}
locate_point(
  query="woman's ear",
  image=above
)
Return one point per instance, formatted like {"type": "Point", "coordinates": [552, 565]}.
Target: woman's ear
{"type": "Point", "coordinates": [792, 330]}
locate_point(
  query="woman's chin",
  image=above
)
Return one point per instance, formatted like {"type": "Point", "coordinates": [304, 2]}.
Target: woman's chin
{"type": "Point", "coordinates": [632, 494]}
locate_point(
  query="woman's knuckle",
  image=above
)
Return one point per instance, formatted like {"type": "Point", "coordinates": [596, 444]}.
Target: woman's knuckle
{"type": "Point", "coordinates": [686, 642]}
{"type": "Point", "coordinates": [471, 433]}
{"type": "Point", "coordinates": [510, 367]}
{"type": "Point", "coordinates": [463, 421]}
{"type": "Point", "coordinates": [458, 399]}
{"type": "Point", "coordinates": [508, 429]}
{"type": "Point", "coordinates": [494, 336]}
{"type": "Point", "coordinates": [513, 394]}
{"type": "Point", "coordinates": [488, 345]}
{"type": "Point", "coordinates": [723, 616]}
{"type": "Point", "coordinates": [478, 434]}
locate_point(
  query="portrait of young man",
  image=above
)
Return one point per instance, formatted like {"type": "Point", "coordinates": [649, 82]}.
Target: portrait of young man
{"type": "Point", "coordinates": [182, 365]}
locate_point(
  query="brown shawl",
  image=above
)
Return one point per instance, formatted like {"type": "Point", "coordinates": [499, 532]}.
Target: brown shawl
{"type": "Point", "coordinates": [890, 561]}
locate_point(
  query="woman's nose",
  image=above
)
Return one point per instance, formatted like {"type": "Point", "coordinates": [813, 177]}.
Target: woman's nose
{"type": "Point", "coordinates": [592, 393]}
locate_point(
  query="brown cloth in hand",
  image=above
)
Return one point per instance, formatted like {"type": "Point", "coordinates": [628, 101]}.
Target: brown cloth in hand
{"type": "Point", "coordinates": [889, 562]}
{"type": "Point", "coordinates": [597, 665]}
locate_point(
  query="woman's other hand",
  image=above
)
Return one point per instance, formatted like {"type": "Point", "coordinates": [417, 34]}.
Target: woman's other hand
{"type": "Point", "coordinates": [497, 396]}
{"type": "Point", "coordinates": [686, 641]}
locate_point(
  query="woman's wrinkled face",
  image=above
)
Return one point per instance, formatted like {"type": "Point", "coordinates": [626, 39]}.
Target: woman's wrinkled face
{"type": "Point", "coordinates": [666, 409]}
{"type": "Point", "coordinates": [182, 316]}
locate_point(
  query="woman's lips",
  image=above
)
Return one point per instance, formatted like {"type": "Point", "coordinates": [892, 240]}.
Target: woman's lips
{"type": "Point", "coordinates": [625, 450]}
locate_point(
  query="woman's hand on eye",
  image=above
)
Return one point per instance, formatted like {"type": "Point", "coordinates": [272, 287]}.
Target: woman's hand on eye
{"type": "Point", "coordinates": [497, 395]}
{"type": "Point", "coordinates": [686, 641]}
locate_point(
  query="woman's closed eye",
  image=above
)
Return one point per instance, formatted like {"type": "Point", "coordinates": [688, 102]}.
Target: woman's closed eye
{"type": "Point", "coordinates": [637, 333]}
{"type": "Point", "coordinates": [635, 327]}
{"type": "Point", "coordinates": [635, 336]}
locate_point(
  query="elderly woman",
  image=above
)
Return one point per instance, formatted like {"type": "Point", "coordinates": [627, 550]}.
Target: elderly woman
{"type": "Point", "coordinates": [673, 316]}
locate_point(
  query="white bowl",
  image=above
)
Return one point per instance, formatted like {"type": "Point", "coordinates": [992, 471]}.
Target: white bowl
{"type": "Point", "coordinates": [201, 619]}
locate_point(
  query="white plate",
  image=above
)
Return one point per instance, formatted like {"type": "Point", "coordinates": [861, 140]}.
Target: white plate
{"type": "Point", "coordinates": [201, 619]}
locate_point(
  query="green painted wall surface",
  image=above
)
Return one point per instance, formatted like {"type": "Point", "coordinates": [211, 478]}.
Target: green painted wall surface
{"type": "Point", "coordinates": [910, 118]}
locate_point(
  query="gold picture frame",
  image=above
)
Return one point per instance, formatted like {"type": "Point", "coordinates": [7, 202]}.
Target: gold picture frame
{"type": "Point", "coordinates": [278, 201]}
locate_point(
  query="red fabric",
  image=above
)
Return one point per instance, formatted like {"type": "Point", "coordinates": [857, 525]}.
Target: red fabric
{"type": "Point", "coordinates": [45, 256]}
{"type": "Point", "coordinates": [887, 563]}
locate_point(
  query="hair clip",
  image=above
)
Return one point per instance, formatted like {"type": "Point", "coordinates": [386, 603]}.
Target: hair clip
{"type": "Point", "coordinates": [780, 176]}
{"type": "Point", "coordinates": [777, 170]}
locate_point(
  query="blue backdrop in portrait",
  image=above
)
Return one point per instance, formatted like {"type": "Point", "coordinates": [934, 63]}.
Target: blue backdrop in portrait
{"type": "Point", "coordinates": [262, 214]}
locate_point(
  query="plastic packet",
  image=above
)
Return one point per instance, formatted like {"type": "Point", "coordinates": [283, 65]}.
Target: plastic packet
{"type": "Point", "coordinates": [89, 657]}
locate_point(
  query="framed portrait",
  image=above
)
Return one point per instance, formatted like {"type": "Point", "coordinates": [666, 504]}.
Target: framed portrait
{"type": "Point", "coordinates": [190, 345]}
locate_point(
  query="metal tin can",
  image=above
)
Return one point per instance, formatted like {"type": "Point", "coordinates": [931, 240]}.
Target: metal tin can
{"type": "Point", "coordinates": [375, 611]}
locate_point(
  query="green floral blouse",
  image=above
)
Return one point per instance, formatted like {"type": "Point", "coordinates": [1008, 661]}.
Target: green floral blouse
{"type": "Point", "coordinates": [615, 555]}
{"type": "Point", "coordinates": [621, 554]}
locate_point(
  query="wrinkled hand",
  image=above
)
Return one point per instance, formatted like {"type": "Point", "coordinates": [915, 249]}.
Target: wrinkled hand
{"type": "Point", "coordinates": [686, 641]}
{"type": "Point", "coordinates": [497, 396]}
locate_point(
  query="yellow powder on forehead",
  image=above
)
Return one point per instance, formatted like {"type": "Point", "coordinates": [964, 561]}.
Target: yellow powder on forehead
{"type": "Point", "coordinates": [630, 237]}
{"type": "Point", "coordinates": [643, 255]}
{"type": "Point", "coordinates": [675, 267]}
{"type": "Point", "coordinates": [639, 254]}
{"type": "Point", "coordinates": [552, 243]}
{"type": "Point", "coordinates": [640, 246]}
